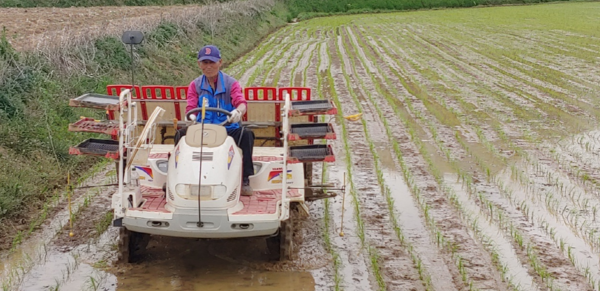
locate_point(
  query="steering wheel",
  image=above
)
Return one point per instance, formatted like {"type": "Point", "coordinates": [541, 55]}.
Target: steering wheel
{"type": "Point", "coordinates": [199, 109]}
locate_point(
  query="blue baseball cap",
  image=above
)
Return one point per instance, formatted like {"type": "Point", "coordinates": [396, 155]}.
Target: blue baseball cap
{"type": "Point", "coordinates": [209, 52]}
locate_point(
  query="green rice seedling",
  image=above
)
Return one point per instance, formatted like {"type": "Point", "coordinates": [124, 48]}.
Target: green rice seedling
{"type": "Point", "coordinates": [360, 231]}
{"type": "Point", "coordinates": [93, 284]}
{"type": "Point", "coordinates": [56, 287]}
{"type": "Point", "coordinates": [261, 71]}
{"type": "Point", "coordinates": [104, 223]}
{"type": "Point", "coordinates": [17, 240]}
{"type": "Point", "coordinates": [326, 236]}
{"type": "Point", "coordinates": [295, 67]}
{"type": "Point", "coordinates": [245, 61]}
{"type": "Point", "coordinates": [305, 71]}
{"type": "Point", "coordinates": [429, 161]}
{"type": "Point", "coordinates": [518, 238]}
{"type": "Point", "coordinates": [386, 191]}
{"type": "Point", "coordinates": [375, 266]}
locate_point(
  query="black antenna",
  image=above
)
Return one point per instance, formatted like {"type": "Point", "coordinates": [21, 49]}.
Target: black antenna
{"type": "Point", "coordinates": [131, 38]}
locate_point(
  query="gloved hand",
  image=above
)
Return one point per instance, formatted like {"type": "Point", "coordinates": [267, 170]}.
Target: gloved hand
{"type": "Point", "coordinates": [192, 117]}
{"type": "Point", "coordinates": [236, 116]}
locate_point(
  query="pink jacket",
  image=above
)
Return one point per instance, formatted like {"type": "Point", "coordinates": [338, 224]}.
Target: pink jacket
{"type": "Point", "coordinates": [237, 97]}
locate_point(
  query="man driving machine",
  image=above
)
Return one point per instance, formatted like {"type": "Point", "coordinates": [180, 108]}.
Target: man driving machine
{"type": "Point", "coordinates": [224, 92]}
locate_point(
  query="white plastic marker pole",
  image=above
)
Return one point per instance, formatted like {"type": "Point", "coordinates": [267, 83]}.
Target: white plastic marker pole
{"type": "Point", "coordinates": [124, 100]}
{"type": "Point", "coordinates": [200, 223]}
{"type": "Point", "coordinates": [285, 204]}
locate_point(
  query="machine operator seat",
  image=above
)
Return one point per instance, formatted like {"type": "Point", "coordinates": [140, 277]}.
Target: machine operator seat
{"type": "Point", "coordinates": [214, 135]}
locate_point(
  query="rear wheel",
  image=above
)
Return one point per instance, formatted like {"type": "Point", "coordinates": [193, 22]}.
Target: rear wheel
{"type": "Point", "coordinates": [281, 246]}
{"type": "Point", "coordinates": [274, 246]}
{"type": "Point", "coordinates": [287, 239]}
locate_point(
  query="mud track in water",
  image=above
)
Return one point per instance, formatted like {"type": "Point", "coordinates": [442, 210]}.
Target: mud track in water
{"type": "Point", "coordinates": [474, 165]}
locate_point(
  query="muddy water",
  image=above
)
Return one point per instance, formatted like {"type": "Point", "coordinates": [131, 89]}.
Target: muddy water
{"type": "Point", "coordinates": [408, 214]}
{"type": "Point", "coordinates": [303, 64]}
{"type": "Point", "coordinates": [368, 192]}
{"type": "Point", "coordinates": [43, 262]}
{"type": "Point", "coordinates": [324, 65]}
{"type": "Point", "coordinates": [353, 269]}
{"type": "Point", "coordinates": [34, 251]}
{"type": "Point", "coordinates": [183, 264]}
{"type": "Point", "coordinates": [515, 270]}
{"type": "Point", "coordinates": [565, 275]}
{"type": "Point", "coordinates": [67, 271]}
{"type": "Point", "coordinates": [247, 68]}
{"type": "Point", "coordinates": [167, 264]}
{"type": "Point", "coordinates": [479, 273]}
{"type": "Point", "coordinates": [414, 229]}
{"type": "Point", "coordinates": [574, 246]}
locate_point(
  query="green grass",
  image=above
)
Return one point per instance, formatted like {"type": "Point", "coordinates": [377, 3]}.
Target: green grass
{"type": "Point", "coordinates": [104, 223]}
{"type": "Point", "coordinates": [311, 8]}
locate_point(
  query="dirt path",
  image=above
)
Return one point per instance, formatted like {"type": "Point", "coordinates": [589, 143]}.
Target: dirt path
{"type": "Point", "coordinates": [28, 27]}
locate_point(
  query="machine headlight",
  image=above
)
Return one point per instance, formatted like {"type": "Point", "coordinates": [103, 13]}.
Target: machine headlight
{"type": "Point", "coordinates": [188, 191]}
{"type": "Point", "coordinates": [163, 165]}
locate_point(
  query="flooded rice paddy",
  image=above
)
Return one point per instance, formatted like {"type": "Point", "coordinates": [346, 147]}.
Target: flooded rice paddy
{"type": "Point", "coordinates": [474, 165]}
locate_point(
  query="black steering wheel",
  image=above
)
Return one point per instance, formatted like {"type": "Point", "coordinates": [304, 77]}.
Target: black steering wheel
{"type": "Point", "coordinates": [199, 109]}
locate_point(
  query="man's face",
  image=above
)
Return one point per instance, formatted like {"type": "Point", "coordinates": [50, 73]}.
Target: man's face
{"type": "Point", "coordinates": [209, 68]}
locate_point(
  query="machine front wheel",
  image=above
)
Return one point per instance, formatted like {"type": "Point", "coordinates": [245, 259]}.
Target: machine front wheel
{"type": "Point", "coordinates": [125, 249]}
{"type": "Point", "coordinates": [130, 242]}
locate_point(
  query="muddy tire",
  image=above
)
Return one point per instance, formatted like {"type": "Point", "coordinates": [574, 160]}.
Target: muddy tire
{"type": "Point", "coordinates": [286, 232]}
{"type": "Point", "coordinates": [141, 241]}
{"type": "Point", "coordinates": [274, 247]}
{"type": "Point", "coordinates": [281, 246]}
{"type": "Point", "coordinates": [130, 243]}
{"type": "Point", "coordinates": [125, 249]}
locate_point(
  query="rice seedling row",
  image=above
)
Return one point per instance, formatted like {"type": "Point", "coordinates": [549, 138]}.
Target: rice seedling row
{"type": "Point", "coordinates": [352, 54]}
{"type": "Point", "coordinates": [488, 175]}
